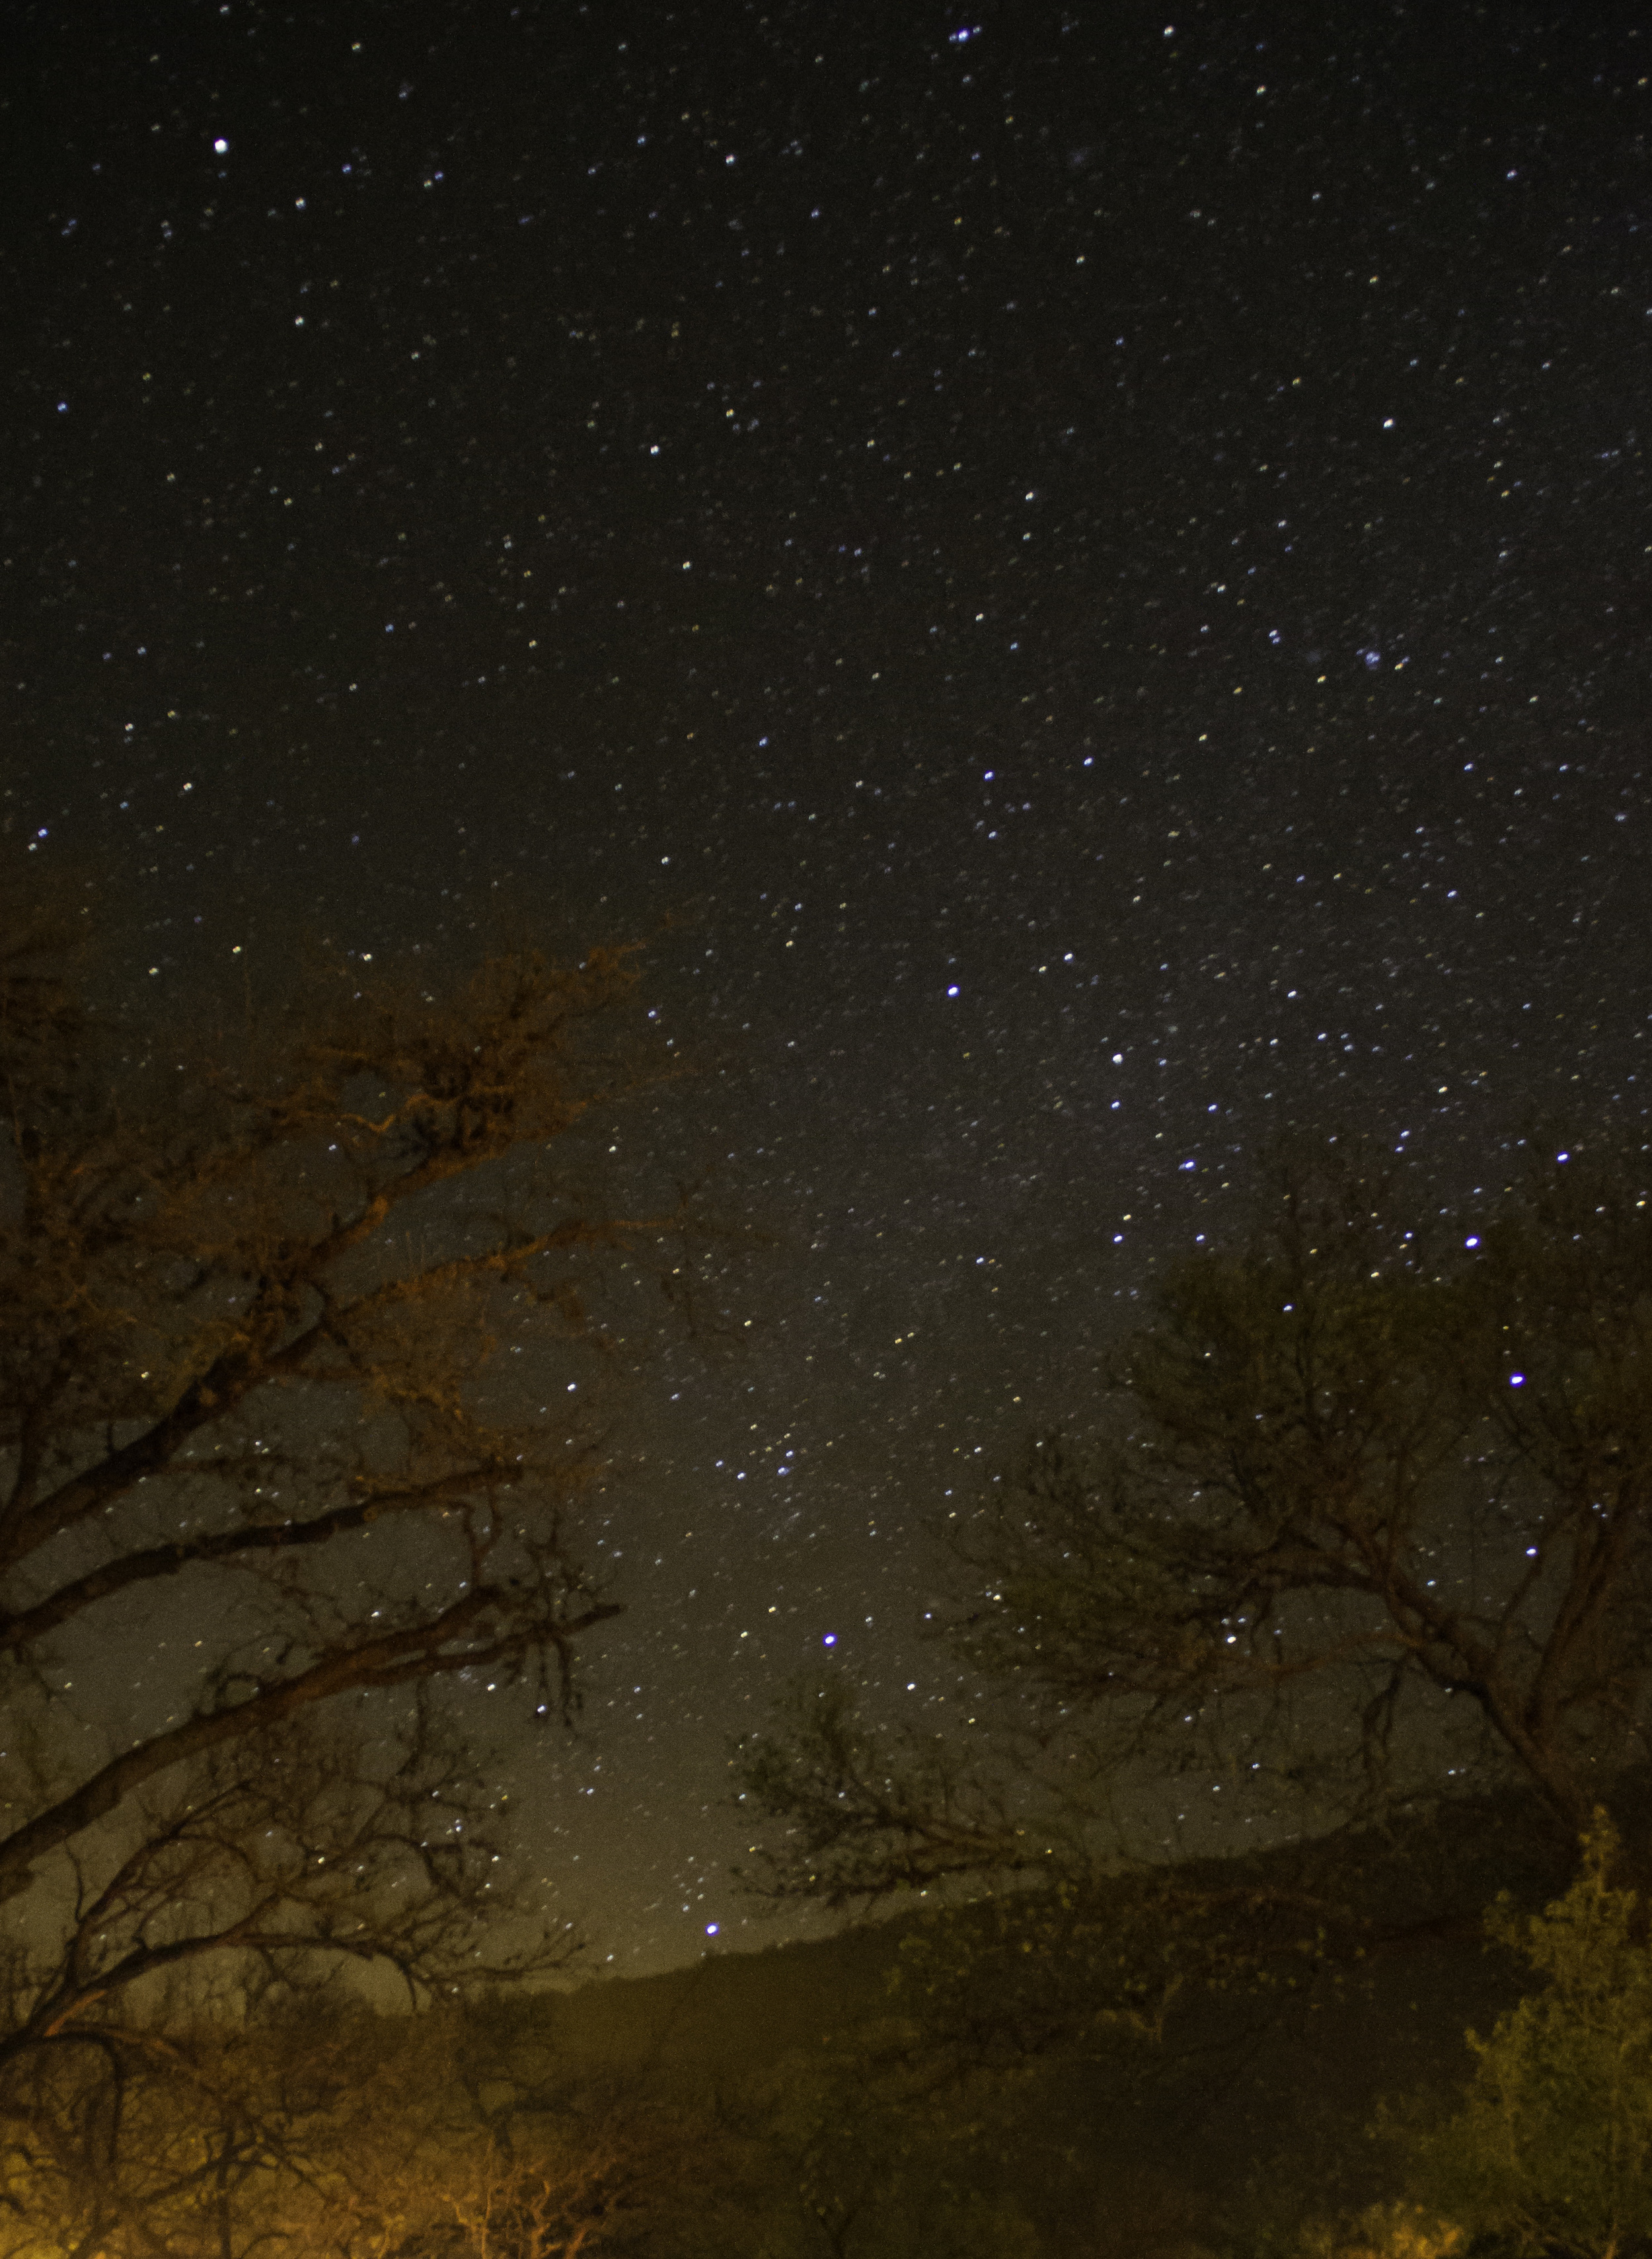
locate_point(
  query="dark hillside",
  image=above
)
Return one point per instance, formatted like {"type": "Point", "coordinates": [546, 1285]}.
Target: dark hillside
{"type": "Point", "coordinates": [1253, 2107]}
{"type": "Point", "coordinates": [736, 2013]}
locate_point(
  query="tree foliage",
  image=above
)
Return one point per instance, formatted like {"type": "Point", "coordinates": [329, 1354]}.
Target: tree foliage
{"type": "Point", "coordinates": [457, 2134]}
{"type": "Point", "coordinates": [1387, 2230]}
{"type": "Point", "coordinates": [1552, 2151]}
{"type": "Point", "coordinates": [880, 2158]}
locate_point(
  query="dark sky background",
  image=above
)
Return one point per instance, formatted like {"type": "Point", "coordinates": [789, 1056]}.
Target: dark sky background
{"type": "Point", "coordinates": [1100, 555]}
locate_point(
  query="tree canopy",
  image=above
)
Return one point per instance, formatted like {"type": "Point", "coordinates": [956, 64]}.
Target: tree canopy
{"type": "Point", "coordinates": [1364, 1524]}
{"type": "Point", "coordinates": [287, 1314]}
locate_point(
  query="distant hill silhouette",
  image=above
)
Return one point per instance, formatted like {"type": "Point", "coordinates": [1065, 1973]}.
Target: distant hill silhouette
{"type": "Point", "coordinates": [1252, 2108]}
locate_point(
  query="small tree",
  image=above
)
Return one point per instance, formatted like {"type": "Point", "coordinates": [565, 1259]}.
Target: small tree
{"type": "Point", "coordinates": [1552, 2151]}
{"type": "Point", "coordinates": [1384, 2231]}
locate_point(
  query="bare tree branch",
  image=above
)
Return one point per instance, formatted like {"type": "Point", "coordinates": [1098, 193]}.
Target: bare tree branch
{"type": "Point", "coordinates": [1408, 1480]}
{"type": "Point", "coordinates": [285, 1347]}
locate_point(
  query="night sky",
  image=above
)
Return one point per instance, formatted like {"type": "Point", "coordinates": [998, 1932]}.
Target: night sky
{"type": "Point", "coordinates": [1095, 561]}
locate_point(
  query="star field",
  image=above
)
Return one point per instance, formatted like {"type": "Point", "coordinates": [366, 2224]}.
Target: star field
{"type": "Point", "coordinates": [1095, 558]}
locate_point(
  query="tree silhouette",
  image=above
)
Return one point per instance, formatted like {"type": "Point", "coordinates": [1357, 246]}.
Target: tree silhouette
{"type": "Point", "coordinates": [282, 1314]}
{"type": "Point", "coordinates": [1367, 1527]}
